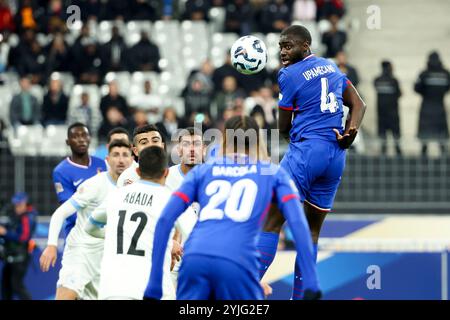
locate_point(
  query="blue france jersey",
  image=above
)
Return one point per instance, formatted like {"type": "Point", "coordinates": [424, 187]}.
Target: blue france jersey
{"type": "Point", "coordinates": [234, 199]}
{"type": "Point", "coordinates": [312, 89]}
{"type": "Point", "coordinates": [67, 176]}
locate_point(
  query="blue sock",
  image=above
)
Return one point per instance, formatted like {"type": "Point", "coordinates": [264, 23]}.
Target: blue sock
{"type": "Point", "coordinates": [267, 248]}
{"type": "Point", "coordinates": [297, 292]}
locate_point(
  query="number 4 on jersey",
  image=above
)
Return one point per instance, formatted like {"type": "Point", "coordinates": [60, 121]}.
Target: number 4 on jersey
{"type": "Point", "coordinates": [327, 100]}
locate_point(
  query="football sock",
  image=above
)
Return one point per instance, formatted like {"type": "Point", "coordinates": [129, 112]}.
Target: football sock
{"type": "Point", "coordinates": [267, 248]}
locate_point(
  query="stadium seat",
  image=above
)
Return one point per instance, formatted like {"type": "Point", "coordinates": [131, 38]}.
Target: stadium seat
{"type": "Point", "coordinates": [220, 45]}
{"type": "Point", "coordinates": [54, 141]}
{"type": "Point", "coordinates": [123, 79]}
{"type": "Point", "coordinates": [25, 140]}
{"type": "Point", "coordinates": [217, 19]}
{"type": "Point", "coordinates": [104, 29]}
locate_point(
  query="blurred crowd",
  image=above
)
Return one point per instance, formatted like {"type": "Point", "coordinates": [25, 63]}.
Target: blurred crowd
{"type": "Point", "coordinates": [211, 95]}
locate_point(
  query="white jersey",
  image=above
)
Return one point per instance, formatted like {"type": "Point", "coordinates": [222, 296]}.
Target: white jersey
{"type": "Point", "coordinates": [89, 195]}
{"type": "Point", "coordinates": [128, 176]}
{"type": "Point", "coordinates": [174, 181]}
{"type": "Point", "coordinates": [132, 213]}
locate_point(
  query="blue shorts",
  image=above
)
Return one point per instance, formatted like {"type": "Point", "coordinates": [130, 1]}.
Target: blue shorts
{"type": "Point", "coordinates": [316, 166]}
{"type": "Point", "coordinates": [203, 277]}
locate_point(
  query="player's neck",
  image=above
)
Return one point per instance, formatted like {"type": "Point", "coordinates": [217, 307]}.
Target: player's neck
{"type": "Point", "coordinates": [185, 168]}
{"type": "Point", "coordinates": [80, 159]}
{"type": "Point", "coordinates": [161, 181]}
{"type": "Point", "coordinates": [113, 175]}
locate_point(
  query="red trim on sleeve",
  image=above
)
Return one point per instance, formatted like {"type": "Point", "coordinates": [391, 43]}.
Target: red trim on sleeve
{"type": "Point", "coordinates": [183, 196]}
{"type": "Point", "coordinates": [289, 197]}
{"type": "Point", "coordinates": [290, 108]}
{"type": "Point", "coordinates": [25, 229]}
{"type": "Point", "coordinates": [348, 82]}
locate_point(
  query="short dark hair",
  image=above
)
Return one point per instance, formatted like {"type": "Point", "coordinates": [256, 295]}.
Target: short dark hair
{"type": "Point", "coordinates": [189, 131]}
{"type": "Point", "coordinates": [115, 131]}
{"type": "Point", "coordinates": [76, 125]}
{"type": "Point", "coordinates": [152, 162]}
{"type": "Point", "coordinates": [119, 143]}
{"type": "Point", "coordinates": [146, 128]}
{"type": "Point", "coordinates": [298, 31]}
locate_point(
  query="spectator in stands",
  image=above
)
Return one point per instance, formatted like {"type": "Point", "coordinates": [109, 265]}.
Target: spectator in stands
{"type": "Point", "coordinates": [350, 71]}
{"type": "Point", "coordinates": [114, 53]}
{"type": "Point", "coordinates": [148, 102]}
{"type": "Point", "coordinates": [224, 71]}
{"type": "Point", "coordinates": [145, 10]}
{"type": "Point", "coordinates": [77, 47]}
{"type": "Point", "coordinates": [197, 95]}
{"type": "Point", "coordinates": [388, 94]}
{"type": "Point", "coordinates": [114, 118]}
{"type": "Point", "coordinates": [58, 55]}
{"type": "Point", "coordinates": [140, 118]}
{"type": "Point", "coordinates": [239, 17]}
{"type": "Point", "coordinates": [28, 16]}
{"type": "Point", "coordinates": [432, 85]}
{"type": "Point", "coordinates": [276, 16]}
{"type": "Point", "coordinates": [304, 10]}
{"type": "Point", "coordinates": [226, 97]}
{"type": "Point", "coordinates": [113, 98]}
{"type": "Point", "coordinates": [334, 39]}
{"type": "Point", "coordinates": [87, 67]}
{"type": "Point", "coordinates": [55, 17]}
{"type": "Point", "coordinates": [24, 108]}
{"type": "Point", "coordinates": [4, 53]}
{"type": "Point", "coordinates": [83, 113]}
{"type": "Point", "coordinates": [326, 8]}
{"type": "Point", "coordinates": [6, 17]}
{"type": "Point", "coordinates": [29, 58]}
{"type": "Point", "coordinates": [144, 55]}
{"type": "Point", "coordinates": [169, 124]}
{"type": "Point", "coordinates": [55, 104]}
{"type": "Point", "coordinates": [264, 98]}
{"type": "Point", "coordinates": [196, 10]}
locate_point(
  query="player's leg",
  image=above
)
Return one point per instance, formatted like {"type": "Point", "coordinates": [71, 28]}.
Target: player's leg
{"type": "Point", "coordinates": [231, 281]}
{"type": "Point", "coordinates": [63, 293]}
{"type": "Point", "coordinates": [193, 278]}
{"type": "Point", "coordinates": [268, 239]}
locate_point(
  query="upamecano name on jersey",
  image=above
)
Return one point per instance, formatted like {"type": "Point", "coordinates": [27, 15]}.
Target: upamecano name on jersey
{"type": "Point", "coordinates": [138, 198]}
{"type": "Point", "coordinates": [234, 171]}
{"type": "Point", "coordinates": [318, 71]}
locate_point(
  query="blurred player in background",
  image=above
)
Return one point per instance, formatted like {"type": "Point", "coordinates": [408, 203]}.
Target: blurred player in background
{"type": "Point", "coordinates": [131, 215]}
{"type": "Point", "coordinates": [79, 275]}
{"type": "Point", "coordinates": [80, 166]}
{"type": "Point", "coordinates": [234, 192]}
{"type": "Point", "coordinates": [312, 93]}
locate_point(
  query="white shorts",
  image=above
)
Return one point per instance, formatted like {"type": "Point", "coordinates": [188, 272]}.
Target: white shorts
{"type": "Point", "coordinates": [80, 270]}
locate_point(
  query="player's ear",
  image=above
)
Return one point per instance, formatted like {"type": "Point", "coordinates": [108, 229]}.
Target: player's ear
{"type": "Point", "coordinates": [135, 151]}
{"type": "Point", "coordinates": [166, 172]}
{"type": "Point", "coordinates": [67, 142]}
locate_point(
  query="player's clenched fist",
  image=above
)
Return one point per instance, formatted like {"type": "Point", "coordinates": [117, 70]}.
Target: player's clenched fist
{"type": "Point", "coordinates": [48, 258]}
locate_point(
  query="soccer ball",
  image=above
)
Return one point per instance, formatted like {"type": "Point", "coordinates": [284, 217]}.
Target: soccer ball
{"type": "Point", "coordinates": [248, 55]}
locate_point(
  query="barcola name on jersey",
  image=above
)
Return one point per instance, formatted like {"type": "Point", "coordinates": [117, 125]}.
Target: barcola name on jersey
{"type": "Point", "coordinates": [138, 198]}
{"type": "Point", "coordinates": [318, 71]}
{"type": "Point", "coordinates": [234, 171]}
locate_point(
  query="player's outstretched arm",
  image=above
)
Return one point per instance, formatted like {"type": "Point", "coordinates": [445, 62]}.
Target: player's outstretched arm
{"type": "Point", "coordinates": [357, 107]}
{"type": "Point", "coordinates": [174, 208]}
{"type": "Point", "coordinates": [49, 255]}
